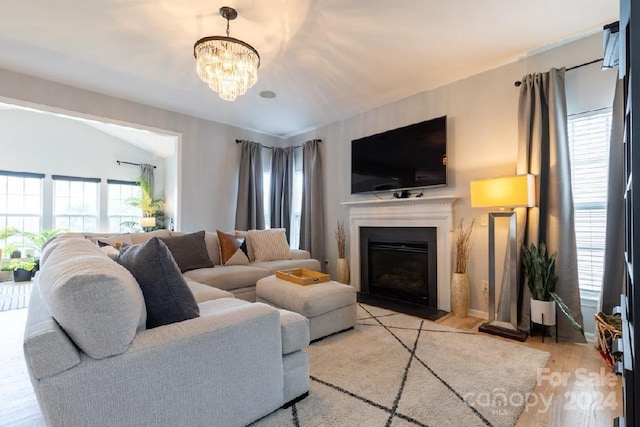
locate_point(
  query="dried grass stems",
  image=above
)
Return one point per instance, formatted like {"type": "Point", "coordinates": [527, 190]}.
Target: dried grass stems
{"type": "Point", "coordinates": [463, 246]}
{"type": "Point", "coordinates": [341, 238]}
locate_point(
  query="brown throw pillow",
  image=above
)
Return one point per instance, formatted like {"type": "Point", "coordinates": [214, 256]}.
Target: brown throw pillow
{"type": "Point", "coordinates": [189, 251]}
{"type": "Point", "coordinates": [231, 252]}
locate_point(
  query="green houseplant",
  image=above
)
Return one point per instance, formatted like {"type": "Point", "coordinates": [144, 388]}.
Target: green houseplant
{"type": "Point", "coordinates": [540, 271]}
{"type": "Point", "coordinates": [150, 207]}
{"type": "Point", "coordinates": [22, 270]}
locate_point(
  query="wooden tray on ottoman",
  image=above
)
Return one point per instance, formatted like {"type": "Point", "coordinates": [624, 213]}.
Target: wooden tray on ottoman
{"type": "Point", "coordinates": [302, 276]}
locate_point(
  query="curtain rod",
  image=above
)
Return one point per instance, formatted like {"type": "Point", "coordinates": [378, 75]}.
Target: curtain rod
{"type": "Point", "coordinates": [518, 83]}
{"type": "Point", "coordinates": [238, 141]}
{"type": "Point", "coordinates": [119, 162]}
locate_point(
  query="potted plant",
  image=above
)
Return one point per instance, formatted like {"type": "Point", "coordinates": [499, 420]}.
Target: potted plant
{"type": "Point", "coordinates": [460, 289]}
{"type": "Point", "coordinates": [22, 270]}
{"type": "Point", "coordinates": [540, 271]}
{"type": "Point", "coordinates": [150, 207]}
{"type": "Point", "coordinates": [342, 268]}
{"type": "Point", "coordinates": [6, 273]}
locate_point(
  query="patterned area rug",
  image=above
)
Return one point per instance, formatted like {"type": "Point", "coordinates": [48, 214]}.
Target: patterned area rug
{"type": "Point", "coordinates": [394, 369]}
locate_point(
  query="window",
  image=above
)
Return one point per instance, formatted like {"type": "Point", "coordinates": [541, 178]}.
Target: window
{"type": "Point", "coordinates": [296, 208]}
{"type": "Point", "coordinates": [589, 150]}
{"type": "Point", "coordinates": [20, 205]}
{"type": "Point", "coordinates": [266, 198]}
{"type": "Point", "coordinates": [123, 217]}
{"type": "Point", "coordinates": [75, 203]}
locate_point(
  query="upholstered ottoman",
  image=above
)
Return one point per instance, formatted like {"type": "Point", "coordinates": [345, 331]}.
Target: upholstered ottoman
{"type": "Point", "coordinates": [329, 306]}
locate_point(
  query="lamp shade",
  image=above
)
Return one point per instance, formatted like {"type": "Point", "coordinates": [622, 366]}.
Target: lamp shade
{"type": "Point", "coordinates": [148, 221]}
{"type": "Point", "coordinates": [506, 191]}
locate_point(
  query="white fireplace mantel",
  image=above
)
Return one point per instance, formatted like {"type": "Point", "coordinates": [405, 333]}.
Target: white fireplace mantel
{"type": "Point", "coordinates": [434, 211]}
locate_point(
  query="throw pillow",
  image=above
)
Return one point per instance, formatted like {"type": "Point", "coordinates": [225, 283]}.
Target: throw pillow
{"type": "Point", "coordinates": [269, 245]}
{"type": "Point", "coordinates": [166, 294]}
{"type": "Point", "coordinates": [231, 252]}
{"type": "Point", "coordinates": [189, 251]}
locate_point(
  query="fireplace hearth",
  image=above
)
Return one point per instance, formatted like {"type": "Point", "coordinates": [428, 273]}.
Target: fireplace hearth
{"type": "Point", "coordinates": [398, 269]}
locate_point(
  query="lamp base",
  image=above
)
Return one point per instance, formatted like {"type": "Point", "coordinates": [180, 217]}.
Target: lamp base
{"type": "Point", "coordinates": [493, 329]}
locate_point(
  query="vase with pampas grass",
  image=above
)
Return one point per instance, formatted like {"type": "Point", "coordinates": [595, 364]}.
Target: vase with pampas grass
{"type": "Point", "coordinates": [460, 290]}
{"type": "Point", "coordinates": [342, 268]}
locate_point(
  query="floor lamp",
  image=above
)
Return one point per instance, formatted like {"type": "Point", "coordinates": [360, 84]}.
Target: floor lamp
{"type": "Point", "coordinates": [503, 192]}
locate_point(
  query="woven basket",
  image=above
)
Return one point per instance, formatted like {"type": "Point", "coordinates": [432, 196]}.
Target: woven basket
{"type": "Point", "coordinates": [606, 335]}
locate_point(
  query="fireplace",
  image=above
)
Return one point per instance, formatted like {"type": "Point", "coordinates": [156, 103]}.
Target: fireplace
{"type": "Point", "coordinates": [435, 212]}
{"type": "Point", "coordinates": [398, 269]}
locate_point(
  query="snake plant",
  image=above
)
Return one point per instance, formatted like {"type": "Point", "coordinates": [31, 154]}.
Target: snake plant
{"type": "Point", "coordinates": [540, 270]}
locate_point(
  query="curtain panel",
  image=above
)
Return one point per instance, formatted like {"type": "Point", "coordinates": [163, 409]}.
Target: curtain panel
{"type": "Point", "coordinates": [543, 151]}
{"type": "Point", "coordinates": [312, 215]}
{"type": "Point", "coordinates": [282, 170]}
{"type": "Point", "coordinates": [250, 201]}
{"type": "Point", "coordinates": [146, 171]}
{"type": "Point", "coordinates": [614, 261]}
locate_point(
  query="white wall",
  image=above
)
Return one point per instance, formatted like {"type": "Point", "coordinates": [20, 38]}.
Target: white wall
{"type": "Point", "coordinates": [482, 134]}
{"type": "Point", "coordinates": [208, 157]}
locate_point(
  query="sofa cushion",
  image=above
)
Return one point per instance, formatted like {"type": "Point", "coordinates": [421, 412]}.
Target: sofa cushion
{"type": "Point", "coordinates": [288, 264]}
{"type": "Point", "coordinates": [189, 251]}
{"type": "Point", "coordinates": [137, 238]}
{"type": "Point", "coordinates": [205, 293]}
{"type": "Point", "coordinates": [295, 331]}
{"type": "Point", "coordinates": [232, 249]}
{"type": "Point", "coordinates": [228, 277]}
{"type": "Point", "coordinates": [97, 302]}
{"type": "Point", "coordinates": [213, 249]}
{"type": "Point", "coordinates": [269, 245]}
{"type": "Point", "coordinates": [167, 297]}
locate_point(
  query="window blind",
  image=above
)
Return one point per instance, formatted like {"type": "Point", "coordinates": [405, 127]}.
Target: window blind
{"type": "Point", "coordinates": [589, 135]}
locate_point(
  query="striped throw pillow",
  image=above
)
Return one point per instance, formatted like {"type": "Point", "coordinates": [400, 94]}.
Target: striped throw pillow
{"type": "Point", "coordinates": [269, 245]}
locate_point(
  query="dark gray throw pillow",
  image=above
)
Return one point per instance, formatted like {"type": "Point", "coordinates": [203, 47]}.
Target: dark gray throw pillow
{"type": "Point", "coordinates": [166, 293]}
{"type": "Point", "coordinates": [189, 251]}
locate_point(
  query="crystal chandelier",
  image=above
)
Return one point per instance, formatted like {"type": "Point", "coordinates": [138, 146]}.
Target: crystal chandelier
{"type": "Point", "coordinates": [228, 65]}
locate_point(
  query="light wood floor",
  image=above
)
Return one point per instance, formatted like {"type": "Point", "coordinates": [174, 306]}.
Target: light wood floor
{"type": "Point", "coordinates": [578, 383]}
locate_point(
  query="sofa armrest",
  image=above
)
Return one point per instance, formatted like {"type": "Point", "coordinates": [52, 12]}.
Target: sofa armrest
{"type": "Point", "coordinates": [225, 366]}
{"type": "Point", "coordinates": [300, 254]}
{"type": "Point", "coordinates": [47, 349]}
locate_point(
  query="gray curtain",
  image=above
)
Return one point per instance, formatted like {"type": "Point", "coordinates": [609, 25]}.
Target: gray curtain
{"type": "Point", "coordinates": [614, 273]}
{"type": "Point", "coordinates": [312, 215]}
{"type": "Point", "coordinates": [146, 171]}
{"type": "Point", "coordinates": [250, 203]}
{"type": "Point", "coordinates": [543, 150]}
{"type": "Point", "coordinates": [281, 188]}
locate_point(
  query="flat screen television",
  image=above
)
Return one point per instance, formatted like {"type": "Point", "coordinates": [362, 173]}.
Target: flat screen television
{"type": "Point", "coordinates": [404, 158]}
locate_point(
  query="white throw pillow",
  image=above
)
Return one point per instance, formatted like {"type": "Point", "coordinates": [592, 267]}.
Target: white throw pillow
{"type": "Point", "coordinates": [269, 245]}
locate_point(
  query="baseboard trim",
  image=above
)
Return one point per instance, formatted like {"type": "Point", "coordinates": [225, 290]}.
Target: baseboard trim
{"type": "Point", "coordinates": [480, 314]}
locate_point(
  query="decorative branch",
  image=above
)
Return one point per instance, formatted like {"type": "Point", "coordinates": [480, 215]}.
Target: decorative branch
{"type": "Point", "coordinates": [341, 238]}
{"type": "Point", "coordinates": [463, 246]}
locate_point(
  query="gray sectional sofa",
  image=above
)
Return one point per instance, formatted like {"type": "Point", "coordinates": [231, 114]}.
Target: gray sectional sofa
{"type": "Point", "coordinates": [240, 280]}
{"type": "Point", "coordinates": [92, 361]}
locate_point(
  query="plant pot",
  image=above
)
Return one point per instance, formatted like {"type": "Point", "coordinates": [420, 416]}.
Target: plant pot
{"type": "Point", "coordinates": [546, 308]}
{"type": "Point", "coordinates": [460, 294]}
{"type": "Point", "coordinates": [6, 276]}
{"type": "Point", "coordinates": [21, 275]}
{"type": "Point", "coordinates": [342, 271]}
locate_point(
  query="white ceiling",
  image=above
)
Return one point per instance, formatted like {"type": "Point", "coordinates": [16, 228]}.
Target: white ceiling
{"type": "Point", "coordinates": [326, 60]}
